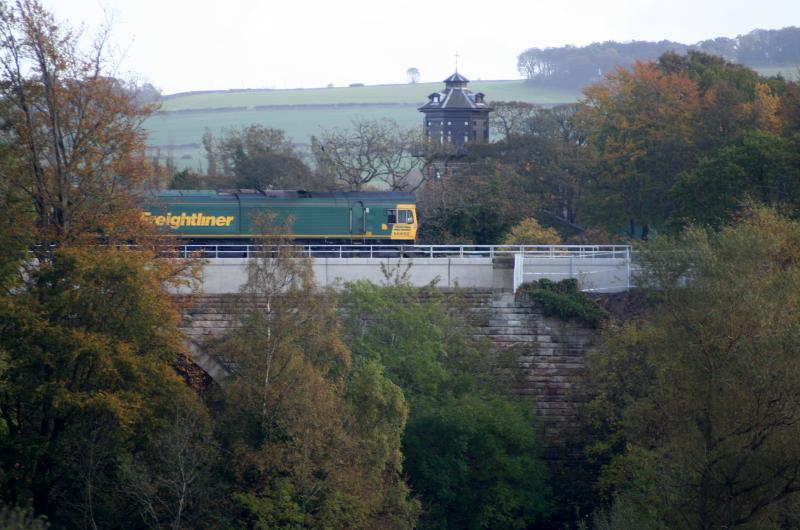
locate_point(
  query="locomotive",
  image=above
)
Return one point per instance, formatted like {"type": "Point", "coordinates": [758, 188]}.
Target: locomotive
{"type": "Point", "coordinates": [355, 217]}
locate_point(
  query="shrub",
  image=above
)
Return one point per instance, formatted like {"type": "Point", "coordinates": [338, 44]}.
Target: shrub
{"type": "Point", "coordinates": [563, 300]}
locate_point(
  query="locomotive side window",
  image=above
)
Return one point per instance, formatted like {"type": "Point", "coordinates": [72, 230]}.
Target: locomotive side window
{"type": "Point", "coordinates": [400, 216]}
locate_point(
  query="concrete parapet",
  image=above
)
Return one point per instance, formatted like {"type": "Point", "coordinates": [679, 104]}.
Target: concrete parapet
{"type": "Point", "coordinates": [226, 276]}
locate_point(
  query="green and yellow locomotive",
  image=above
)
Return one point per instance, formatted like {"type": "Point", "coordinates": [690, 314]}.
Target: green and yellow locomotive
{"type": "Point", "coordinates": [313, 217]}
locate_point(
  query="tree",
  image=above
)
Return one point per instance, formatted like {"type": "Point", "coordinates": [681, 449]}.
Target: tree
{"type": "Point", "coordinates": [171, 481]}
{"type": "Point", "coordinates": [728, 98]}
{"type": "Point", "coordinates": [87, 346]}
{"type": "Point", "coordinates": [548, 149]}
{"type": "Point", "coordinates": [75, 133]}
{"type": "Point", "coordinates": [211, 152]}
{"type": "Point", "coordinates": [576, 66]}
{"type": "Point", "coordinates": [258, 157]}
{"type": "Point", "coordinates": [371, 150]}
{"type": "Point", "coordinates": [760, 169]}
{"type": "Point", "coordinates": [471, 451]}
{"type": "Point", "coordinates": [315, 440]}
{"type": "Point", "coordinates": [512, 118]}
{"type": "Point", "coordinates": [699, 400]}
{"type": "Point", "coordinates": [148, 94]}
{"type": "Point", "coordinates": [661, 131]}
{"type": "Point", "coordinates": [530, 232]}
{"type": "Point", "coordinates": [476, 461]}
{"type": "Point", "coordinates": [476, 204]}
{"type": "Point", "coordinates": [413, 75]}
{"type": "Point", "coordinates": [640, 124]}
{"type": "Point", "coordinates": [19, 519]}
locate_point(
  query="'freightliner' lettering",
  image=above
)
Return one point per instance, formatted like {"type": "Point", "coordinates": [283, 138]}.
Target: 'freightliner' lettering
{"type": "Point", "coordinates": [185, 219]}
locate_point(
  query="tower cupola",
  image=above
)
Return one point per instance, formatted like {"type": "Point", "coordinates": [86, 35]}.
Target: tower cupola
{"type": "Point", "coordinates": [455, 115]}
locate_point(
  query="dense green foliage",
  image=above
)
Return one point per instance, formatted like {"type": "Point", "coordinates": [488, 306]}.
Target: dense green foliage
{"type": "Point", "coordinates": [562, 299]}
{"type": "Point", "coordinates": [472, 452]}
{"type": "Point", "coordinates": [697, 405]}
{"type": "Point", "coordinates": [87, 345]}
{"type": "Point", "coordinates": [761, 168]}
{"type": "Point", "coordinates": [476, 461]}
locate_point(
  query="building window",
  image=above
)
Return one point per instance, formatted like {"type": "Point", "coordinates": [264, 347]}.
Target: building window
{"type": "Point", "coordinates": [466, 138]}
{"type": "Point", "coordinates": [466, 123]}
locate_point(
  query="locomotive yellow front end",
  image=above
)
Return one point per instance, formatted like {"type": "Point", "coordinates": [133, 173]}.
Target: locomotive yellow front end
{"type": "Point", "coordinates": [403, 222]}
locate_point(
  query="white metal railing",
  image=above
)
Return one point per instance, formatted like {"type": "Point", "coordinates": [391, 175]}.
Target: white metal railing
{"type": "Point", "coordinates": [591, 279]}
{"type": "Point", "coordinates": [411, 251]}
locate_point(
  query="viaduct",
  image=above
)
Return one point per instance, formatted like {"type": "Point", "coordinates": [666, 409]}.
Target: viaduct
{"type": "Point", "coordinates": [550, 352]}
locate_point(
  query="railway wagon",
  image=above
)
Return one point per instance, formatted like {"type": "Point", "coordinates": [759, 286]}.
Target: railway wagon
{"type": "Point", "coordinates": [312, 217]}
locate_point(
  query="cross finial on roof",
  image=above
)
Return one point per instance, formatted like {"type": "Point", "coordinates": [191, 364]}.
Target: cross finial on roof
{"type": "Point", "coordinates": [457, 62]}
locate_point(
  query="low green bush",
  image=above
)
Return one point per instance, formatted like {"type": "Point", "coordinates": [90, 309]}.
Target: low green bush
{"type": "Point", "coordinates": [563, 300]}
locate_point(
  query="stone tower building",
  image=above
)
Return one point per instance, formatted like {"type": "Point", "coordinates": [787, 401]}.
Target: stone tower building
{"type": "Point", "coordinates": [456, 115]}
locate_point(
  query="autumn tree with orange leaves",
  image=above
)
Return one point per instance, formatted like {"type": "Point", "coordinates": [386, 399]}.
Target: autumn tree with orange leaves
{"type": "Point", "coordinates": [687, 139]}
{"type": "Point", "coordinates": [73, 132]}
{"type": "Point", "coordinates": [640, 123]}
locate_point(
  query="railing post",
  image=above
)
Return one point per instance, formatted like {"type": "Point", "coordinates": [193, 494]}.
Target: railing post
{"type": "Point", "coordinates": [519, 263]}
{"type": "Point", "coordinates": [628, 263]}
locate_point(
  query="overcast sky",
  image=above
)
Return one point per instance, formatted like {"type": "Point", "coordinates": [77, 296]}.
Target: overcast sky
{"type": "Point", "coordinates": [181, 45]}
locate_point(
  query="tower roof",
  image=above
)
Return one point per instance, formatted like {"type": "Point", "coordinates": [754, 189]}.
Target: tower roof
{"type": "Point", "coordinates": [456, 78]}
{"type": "Point", "coordinates": [456, 95]}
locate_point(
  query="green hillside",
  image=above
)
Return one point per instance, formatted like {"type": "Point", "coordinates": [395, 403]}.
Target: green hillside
{"type": "Point", "coordinates": [409, 94]}
{"type": "Point", "coordinates": [178, 130]}
{"type": "Point", "coordinates": [789, 72]}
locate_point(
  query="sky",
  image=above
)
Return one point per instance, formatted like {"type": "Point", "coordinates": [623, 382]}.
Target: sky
{"type": "Point", "coordinates": [182, 45]}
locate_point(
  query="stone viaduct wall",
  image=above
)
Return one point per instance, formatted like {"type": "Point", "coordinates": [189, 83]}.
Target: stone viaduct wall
{"type": "Point", "coordinates": [550, 352]}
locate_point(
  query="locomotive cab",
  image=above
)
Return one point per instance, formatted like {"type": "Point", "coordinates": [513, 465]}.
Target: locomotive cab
{"type": "Point", "coordinates": [402, 221]}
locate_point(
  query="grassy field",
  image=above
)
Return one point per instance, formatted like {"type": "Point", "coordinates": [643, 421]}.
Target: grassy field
{"type": "Point", "coordinates": [788, 72]}
{"type": "Point", "coordinates": [179, 135]}
{"type": "Point", "coordinates": [177, 132]}
{"type": "Point", "coordinates": [410, 94]}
